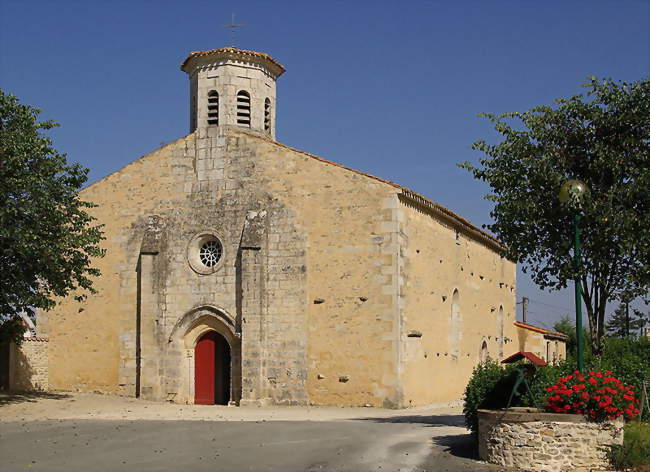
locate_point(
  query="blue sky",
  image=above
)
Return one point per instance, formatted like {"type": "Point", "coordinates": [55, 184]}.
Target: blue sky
{"type": "Point", "coordinates": [390, 88]}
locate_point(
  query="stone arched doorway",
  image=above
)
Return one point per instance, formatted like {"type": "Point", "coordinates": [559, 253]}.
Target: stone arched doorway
{"type": "Point", "coordinates": [204, 327]}
{"type": "Point", "coordinates": [212, 357]}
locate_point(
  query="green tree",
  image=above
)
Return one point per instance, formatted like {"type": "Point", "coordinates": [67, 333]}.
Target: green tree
{"type": "Point", "coordinates": [624, 323]}
{"type": "Point", "coordinates": [47, 239]}
{"type": "Point", "coordinates": [602, 138]}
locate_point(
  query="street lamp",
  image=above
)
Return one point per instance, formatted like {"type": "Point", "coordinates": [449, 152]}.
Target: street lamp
{"type": "Point", "coordinates": [573, 193]}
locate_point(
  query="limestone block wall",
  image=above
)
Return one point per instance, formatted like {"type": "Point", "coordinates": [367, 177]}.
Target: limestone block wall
{"type": "Point", "coordinates": [28, 365]}
{"type": "Point", "coordinates": [351, 246]}
{"type": "Point", "coordinates": [456, 294]}
{"type": "Point", "coordinates": [93, 343]}
{"type": "Point", "coordinates": [546, 442]}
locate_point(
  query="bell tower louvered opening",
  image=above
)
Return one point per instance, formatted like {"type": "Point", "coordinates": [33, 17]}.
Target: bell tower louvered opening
{"type": "Point", "coordinates": [213, 108]}
{"type": "Point", "coordinates": [243, 108]}
{"type": "Point", "coordinates": [232, 87]}
{"type": "Point", "coordinates": [267, 115]}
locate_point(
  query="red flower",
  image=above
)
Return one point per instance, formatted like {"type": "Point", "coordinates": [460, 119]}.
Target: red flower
{"type": "Point", "coordinates": [601, 396]}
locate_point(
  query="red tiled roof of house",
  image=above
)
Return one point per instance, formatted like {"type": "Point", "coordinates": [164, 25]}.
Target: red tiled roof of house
{"type": "Point", "coordinates": [524, 355]}
{"type": "Point", "coordinates": [540, 330]}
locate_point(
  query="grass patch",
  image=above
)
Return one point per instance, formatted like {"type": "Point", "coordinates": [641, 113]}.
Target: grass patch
{"type": "Point", "coordinates": [634, 454]}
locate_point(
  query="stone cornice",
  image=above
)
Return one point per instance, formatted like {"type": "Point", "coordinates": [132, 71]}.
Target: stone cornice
{"type": "Point", "coordinates": [451, 218]}
{"type": "Point", "coordinates": [197, 59]}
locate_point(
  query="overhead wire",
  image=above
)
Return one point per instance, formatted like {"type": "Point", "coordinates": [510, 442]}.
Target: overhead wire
{"type": "Point", "coordinates": [550, 305]}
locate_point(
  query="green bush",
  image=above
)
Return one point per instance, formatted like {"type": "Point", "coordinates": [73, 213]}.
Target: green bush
{"type": "Point", "coordinates": [490, 385]}
{"type": "Point", "coordinates": [634, 454]}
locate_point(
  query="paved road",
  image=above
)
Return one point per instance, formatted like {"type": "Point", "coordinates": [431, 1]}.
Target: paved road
{"type": "Point", "coordinates": [89, 432]}
{"type": "Point", "coordinates": [408, 443]}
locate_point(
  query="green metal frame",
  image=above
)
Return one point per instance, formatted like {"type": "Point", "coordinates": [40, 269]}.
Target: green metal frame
{"type": "Point", "coordinates": [521, 379]}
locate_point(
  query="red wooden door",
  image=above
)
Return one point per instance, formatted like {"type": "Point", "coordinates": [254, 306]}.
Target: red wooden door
{"type": "Point", "coordinates": [204, 369]}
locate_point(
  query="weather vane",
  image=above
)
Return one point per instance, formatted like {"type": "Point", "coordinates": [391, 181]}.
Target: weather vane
{"type": "Point", "coordinates": [232, 27]}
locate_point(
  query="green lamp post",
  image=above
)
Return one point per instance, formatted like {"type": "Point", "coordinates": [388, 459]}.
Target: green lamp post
{"type": "Point", "coordinates": [573, 193]}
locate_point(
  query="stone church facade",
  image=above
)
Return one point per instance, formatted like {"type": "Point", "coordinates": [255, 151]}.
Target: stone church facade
{"type": "Point", "coordinates": [240, 270]}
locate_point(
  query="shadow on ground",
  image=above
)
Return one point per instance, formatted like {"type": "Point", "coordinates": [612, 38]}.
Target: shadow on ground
{"type": "Point", "coordinates": [437, 420]}
{"type": "Point", "coordinates": [459, 445]}
{"type": "Point", "coordinates": [9, 398]}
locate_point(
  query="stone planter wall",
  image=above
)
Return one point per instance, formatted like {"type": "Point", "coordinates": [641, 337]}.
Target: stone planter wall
{"type": "Point", "coordinates": [536, 441]}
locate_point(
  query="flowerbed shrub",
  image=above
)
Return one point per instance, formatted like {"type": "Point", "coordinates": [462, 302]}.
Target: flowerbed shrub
{"type": "Point", "coordinates": [597, 395]}
{"type": "Point", "coordinates": [491, 383]}
{"type": "Point", "coordinates": [629, 359]}
{"type": "Point", "coordinates": [488, 387]}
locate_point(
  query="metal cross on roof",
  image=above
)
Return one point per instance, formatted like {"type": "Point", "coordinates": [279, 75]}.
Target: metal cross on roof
{"type": "Point", "coordinates": [232, 27]}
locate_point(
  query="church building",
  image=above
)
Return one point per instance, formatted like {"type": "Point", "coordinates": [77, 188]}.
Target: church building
{"type": "Point", "coordinates": [239, 270]}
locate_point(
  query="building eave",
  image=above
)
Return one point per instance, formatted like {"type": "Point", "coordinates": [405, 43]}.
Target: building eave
{"type": "Point", "coordinates": [546, 332]}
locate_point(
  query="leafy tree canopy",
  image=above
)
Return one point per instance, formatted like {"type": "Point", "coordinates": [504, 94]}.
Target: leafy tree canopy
{"type": "Point", "coordinates": [601, 137]}
{"type": "Point", "coordinates": [47, 239]}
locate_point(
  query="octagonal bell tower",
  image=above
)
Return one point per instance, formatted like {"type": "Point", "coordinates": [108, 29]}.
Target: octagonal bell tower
{"type": "Point", "coordinates": [230, 86]}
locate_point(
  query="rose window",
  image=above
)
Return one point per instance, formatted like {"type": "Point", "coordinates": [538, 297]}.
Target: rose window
{"type": "Point", "coordinates": [205, 252]}
{"type": "Point", "coordinates": [210, 253]}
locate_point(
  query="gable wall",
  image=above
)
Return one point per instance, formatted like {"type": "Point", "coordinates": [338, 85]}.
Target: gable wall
{"type": "Point", "coordinates": [206, 181]}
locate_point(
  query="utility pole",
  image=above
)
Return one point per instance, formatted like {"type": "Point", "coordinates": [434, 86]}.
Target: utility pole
{"type": "Point", "coordinates": [627, 319]}
{"type": "Point", "coordinates": [524, 309]}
